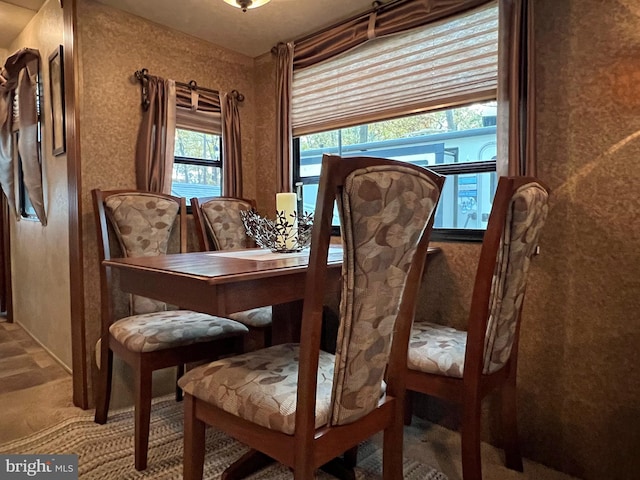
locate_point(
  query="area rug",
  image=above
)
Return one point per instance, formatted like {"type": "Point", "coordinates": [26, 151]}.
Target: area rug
{"type": "Point", "coordinates": [105, 452]}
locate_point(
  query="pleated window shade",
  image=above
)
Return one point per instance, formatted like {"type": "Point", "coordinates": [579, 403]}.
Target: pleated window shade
{"type": "Point", "coordinates": [198, 110]}
{"type": "Point", "coordinates": [203, 122]}
{"type": "Point", "coordinates": [443, 64]}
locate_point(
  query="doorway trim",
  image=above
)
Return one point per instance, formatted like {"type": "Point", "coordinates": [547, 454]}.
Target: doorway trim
{"type": "Point", "coordinates": [76, 255]}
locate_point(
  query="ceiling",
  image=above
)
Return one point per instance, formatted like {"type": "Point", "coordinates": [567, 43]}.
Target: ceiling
{"type": "Point", "coordinates": [253, 32]}
{"type": "Point", "coordinates": [14, 16]}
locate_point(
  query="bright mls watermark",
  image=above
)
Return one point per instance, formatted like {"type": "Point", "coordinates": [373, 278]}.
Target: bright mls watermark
{"type": "Point", "coordinates": [50, 467]}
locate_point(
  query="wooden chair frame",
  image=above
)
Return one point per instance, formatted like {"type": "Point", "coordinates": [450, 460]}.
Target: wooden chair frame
{"type": "Point", "coordinates": [469, 390]}
{"type": "Point", "coordinates": [205, 242]}
{"type": "Point", "coordinates": [309, 448]}
{"type": "Point", "coordinates": [143, 364]}
{"type": "Point", "coordinates": [260, 336]}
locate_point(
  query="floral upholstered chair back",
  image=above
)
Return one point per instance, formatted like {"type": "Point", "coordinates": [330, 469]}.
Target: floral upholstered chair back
{"type": "Point", "coordinates": [145, 224]}
{"type": "Point", "coordinates": [223, 222]}
{"type": "Point", "coordinates": [525, 216]}
{"type": "Point", "coordinates": [384, 212]}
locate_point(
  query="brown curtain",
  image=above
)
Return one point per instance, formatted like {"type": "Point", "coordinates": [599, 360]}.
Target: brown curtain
{"type": "Point", "coordinates": [156, 138]}
{"type": "Point", "coordinates": [284, 74]}
{"type": "Point", "coordinates": [387, 19]}
{"type": "Point", "coordinates": [231, 146]}
{"type": "Point", "coordinates": [516, 90]}
{"type": "Point", "coordinates": [197, 100]}
{"type": "Point", "coordinates": [20, 77]}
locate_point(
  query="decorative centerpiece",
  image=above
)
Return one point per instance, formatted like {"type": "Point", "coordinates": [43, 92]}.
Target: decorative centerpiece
{"type": "Point", "coordinates": [289, 232]}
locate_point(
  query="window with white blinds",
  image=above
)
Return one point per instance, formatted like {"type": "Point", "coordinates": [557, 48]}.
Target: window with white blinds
{"type": "Point", "coordinates": [443, 64]}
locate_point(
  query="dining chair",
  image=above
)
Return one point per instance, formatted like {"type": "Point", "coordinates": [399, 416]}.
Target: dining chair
{"type": "Point", "coordinates": [219, 226]}
{"type": "Point", "coordinates": [154, 336]}
{"type": "Point", "coordinates": [295, 403]}
{"type": "Point", "coordinates": [464, 366]}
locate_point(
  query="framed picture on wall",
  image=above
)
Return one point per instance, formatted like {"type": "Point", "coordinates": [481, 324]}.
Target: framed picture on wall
{"type": "Point", "coordinates": [56, 85]}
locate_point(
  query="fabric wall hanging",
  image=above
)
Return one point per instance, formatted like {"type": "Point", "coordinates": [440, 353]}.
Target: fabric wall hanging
{"type": "Point", "coordinates": [19, 79]}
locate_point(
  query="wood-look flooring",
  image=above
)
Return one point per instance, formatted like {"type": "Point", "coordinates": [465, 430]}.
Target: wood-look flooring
{"type": "Point", "coordinates": [35, 391]}
{"type": "Point", "coordinates": [24, 363]}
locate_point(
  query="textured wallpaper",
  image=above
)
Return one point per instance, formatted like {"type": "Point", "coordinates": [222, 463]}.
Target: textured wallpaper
{"type": "Point", "coordinates": [112, 46]}
{"type": "Point", "coordinates": [579, 388]}
{"type": "Point", "coordinates": [579, 374]}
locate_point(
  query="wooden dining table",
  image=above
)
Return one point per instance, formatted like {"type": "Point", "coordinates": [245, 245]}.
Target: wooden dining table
{"type": "Point", "coordinates": [224, 282]}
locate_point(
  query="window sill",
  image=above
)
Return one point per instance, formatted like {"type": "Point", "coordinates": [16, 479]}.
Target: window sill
{"type": "Point", "coordinates": [442, 235]}
{"type": "Point", "coordinates": [457, 235]}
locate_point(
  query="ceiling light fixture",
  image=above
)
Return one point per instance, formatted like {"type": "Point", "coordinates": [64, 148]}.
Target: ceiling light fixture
{"type": "Point", "coordinates": [246, 4]}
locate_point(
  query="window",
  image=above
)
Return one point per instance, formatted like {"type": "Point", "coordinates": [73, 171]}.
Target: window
{"type": "Point", "coordinates": [425, 96]}
{"type": "Point", "coordinates": [459, 143]}
{"type": "Point", "coordinates": [197, 165]}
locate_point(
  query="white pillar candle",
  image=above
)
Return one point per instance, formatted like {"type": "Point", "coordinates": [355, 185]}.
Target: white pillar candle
{"type": "Point", "coordinates": [287, 203]}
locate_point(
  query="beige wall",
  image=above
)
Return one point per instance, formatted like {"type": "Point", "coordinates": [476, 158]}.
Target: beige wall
{"type": "Point", "coordinates": [582, 375]}
{"type": "Point", "coordinates": [265, 134]}
{"type": "Point", "coordinates": [40, 255]}
{"type": "Point", "coordinates": [578, 371]}
{"type": "Point", "coordinates": [112, 46]}
{"type": "Point", "coordinates": [579, 389]}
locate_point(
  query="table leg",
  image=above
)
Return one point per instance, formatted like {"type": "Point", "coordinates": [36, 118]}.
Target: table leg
{"type": "Point", "coordinates": [287, 320]}
{"type": "Point", "coordinates": [339, 469]}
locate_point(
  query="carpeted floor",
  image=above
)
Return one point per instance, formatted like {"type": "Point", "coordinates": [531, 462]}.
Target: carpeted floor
{"type": "Point", "coordinates": [105, 452]}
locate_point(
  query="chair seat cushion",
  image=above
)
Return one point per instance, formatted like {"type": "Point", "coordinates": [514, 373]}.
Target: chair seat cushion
{"type": "Point", "coordinates": [256, 317]}
{"type": "Point", "coordinates": [260, 386]}
{"type": "Point", "coordinates": [437, 349]}
{"type": "Point", "coordinates": [173, 328]}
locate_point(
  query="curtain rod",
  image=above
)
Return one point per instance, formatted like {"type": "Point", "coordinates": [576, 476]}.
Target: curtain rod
{"type": "Point", "coordinates": [143, 77]}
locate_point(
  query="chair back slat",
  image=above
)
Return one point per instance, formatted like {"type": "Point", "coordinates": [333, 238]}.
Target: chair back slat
{"type": "Point", "coordinates": [523, 222]}
{"type": "Point", "coordinates": [384, 212]}
{"type": "Point", "coordinates": [220, 220]}
{"type": "Point", "coordinates": [144, 224]}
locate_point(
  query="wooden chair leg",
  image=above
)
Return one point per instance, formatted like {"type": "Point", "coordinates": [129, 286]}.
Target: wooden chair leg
{"type": "Point", "coordinates": [304, 472]}
{"type": "Point", "coordinates": [103, 388]}
{"type": "Point", "coordinates": [343, 468]}
{"type": "Point", "coordinates": [351, 457]}
{"type": "Point", "coordinates": [179, 373]}
{"type": "Point", "coordinates": [408, 407]}
{"type": "Point", "coordinates": [303, 468]}
{"type": "Point", "coordinates": [513, 458]}
{"type": "Point", "coordinates": [142, 415]}
{"type": "Point", "coordinates": [267, 337]}
{"type": "Point", "coordinates": [194, 442]}
{"type": "Point", "coordinates": [392, 451]}
{"type": "Point", "coordinates": [470, 438]}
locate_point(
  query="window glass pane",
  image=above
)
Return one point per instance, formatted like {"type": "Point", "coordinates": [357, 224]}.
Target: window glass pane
{"type": "Point", "coordinates": [197, 145]}
{"type": "Point", "coordinates": [466, 201]}
{"type": "Point", "coordinates": [197, 168]}
{"type": "Point", "coordinates": [196, 181]}
{"type": "Point", "coordinates": [453, 137]}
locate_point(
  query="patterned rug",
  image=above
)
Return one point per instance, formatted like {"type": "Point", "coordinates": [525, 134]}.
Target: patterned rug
{"type": "Point", "coordinates": [105, 452]}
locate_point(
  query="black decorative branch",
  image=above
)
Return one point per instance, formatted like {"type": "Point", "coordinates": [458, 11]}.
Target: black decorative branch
{"type": "Point", "coordinates": [278, 235]}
